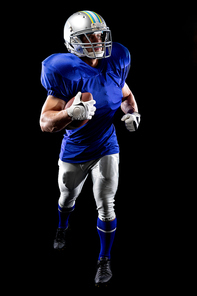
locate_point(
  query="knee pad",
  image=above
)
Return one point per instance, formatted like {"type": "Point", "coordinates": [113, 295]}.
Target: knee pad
{"type": "Point", "coordinates": [106, 217]}
{"type": "Point", "coordinates": [63, 203]}
{"type": "Point", "coordinates": [105, 202]}
{"type": "Point", "coordinates": [70, 180]}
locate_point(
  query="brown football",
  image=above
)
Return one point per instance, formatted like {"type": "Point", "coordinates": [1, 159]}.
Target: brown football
{"type": "Point", "coordinates": [86, 96]}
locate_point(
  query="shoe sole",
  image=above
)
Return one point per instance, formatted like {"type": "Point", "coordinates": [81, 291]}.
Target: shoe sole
{"type": "Point", "coordinates": [60, 250]}
{"type": "Point", "coordinates": [103, 285]}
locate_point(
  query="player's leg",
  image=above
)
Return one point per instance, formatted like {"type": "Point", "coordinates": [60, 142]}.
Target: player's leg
{"type": "Point", "coordinates": [70, 179]}
{"type": "Point", "coordinates": [105, 182]}
{"type": "Point", "coordinates": [105, 175]}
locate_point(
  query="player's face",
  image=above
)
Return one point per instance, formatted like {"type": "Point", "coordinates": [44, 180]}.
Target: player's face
{"type": "Point", "coordinates": [94, 38]}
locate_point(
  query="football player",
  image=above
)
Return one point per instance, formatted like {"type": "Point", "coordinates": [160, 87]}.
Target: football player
{"type": "Point", "coordinates": [94, 64]}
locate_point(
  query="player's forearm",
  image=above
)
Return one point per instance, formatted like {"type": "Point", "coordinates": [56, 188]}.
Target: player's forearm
{"type": "Point", "coordinates": [54, 121]}
{"type": "Point", "coordinates": [129, 104]}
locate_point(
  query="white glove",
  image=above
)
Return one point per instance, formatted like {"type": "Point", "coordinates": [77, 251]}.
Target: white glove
{"type": "Point", "coordinates": [132, 121]}
{"type": "Point", "coordinates": [80, 110]}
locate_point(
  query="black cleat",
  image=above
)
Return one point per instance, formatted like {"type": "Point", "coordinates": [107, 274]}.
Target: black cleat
{"type": "Point", "coordinates": [104, 273]}
{"type": "Point", "coordinates": [60, 239]}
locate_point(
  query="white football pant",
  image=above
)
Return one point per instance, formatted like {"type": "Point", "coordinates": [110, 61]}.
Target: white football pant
{"type": "Point", "coordinates": [104, 172]}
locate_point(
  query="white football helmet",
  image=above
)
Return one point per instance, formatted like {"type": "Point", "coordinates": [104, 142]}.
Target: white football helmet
{"type": "Point", "coordinates": [87, 22]}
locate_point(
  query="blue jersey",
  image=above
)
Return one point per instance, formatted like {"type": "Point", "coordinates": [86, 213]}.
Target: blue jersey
{"type": "Point", "coordinates": [64, 75]}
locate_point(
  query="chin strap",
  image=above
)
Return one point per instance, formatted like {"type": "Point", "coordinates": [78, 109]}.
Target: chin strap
{"type": "Point", "coordinates": [94, 55]}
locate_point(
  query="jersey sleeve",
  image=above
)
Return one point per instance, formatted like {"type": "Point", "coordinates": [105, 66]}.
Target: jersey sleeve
{"type": "Point", "coordinates": [54, 84]}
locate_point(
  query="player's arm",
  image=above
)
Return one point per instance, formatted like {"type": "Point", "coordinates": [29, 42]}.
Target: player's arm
{"type": "Point", "coordinates": [129, 107]}
{"type": "Point", "coordinates": [53, 116]}
{"type": "Point", "coordinates": [129, 104]}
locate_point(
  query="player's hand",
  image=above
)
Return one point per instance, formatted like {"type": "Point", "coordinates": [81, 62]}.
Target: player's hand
{"type": "Point", "coordinates": [81, 110]}
{"type": "Point", "coordinates": [132, 121]}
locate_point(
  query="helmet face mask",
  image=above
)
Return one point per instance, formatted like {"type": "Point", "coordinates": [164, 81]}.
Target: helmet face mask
{"type": "Point", "coordinates": [83, 24]}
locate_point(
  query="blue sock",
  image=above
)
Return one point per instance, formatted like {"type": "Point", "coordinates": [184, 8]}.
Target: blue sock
{"type": "Point", "coordinates": [106, 231]}
{"type": "Point", "coordinates": [64, 214]}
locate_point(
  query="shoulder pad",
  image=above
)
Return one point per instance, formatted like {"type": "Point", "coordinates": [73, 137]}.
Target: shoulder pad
{"type": "Point", "coordinates": [63, 63]}
{"type": "Point", "coordinates": [121, 55]}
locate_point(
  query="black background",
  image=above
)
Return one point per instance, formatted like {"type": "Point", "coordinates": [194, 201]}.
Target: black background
{"type": "Point", "coordinates": [162, 42]}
